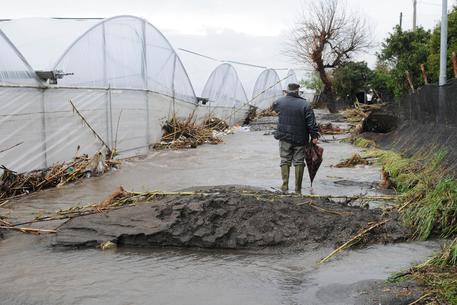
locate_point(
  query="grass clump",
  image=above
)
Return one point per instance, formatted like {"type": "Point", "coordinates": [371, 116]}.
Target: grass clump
{"type": "Point", "coordinates": [436, 212]}
{"type": "Point", "coordinates": [428, 205]}
{"type": "Point", "coordinates": [448, 255]}
{"type": "Point", "coordinates": [428, 198]}
{"type": "Point", "coordinates": [362, 142]}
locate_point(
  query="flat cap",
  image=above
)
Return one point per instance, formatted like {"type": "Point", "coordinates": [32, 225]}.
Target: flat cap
{"type": "Point", "coordinates": [293, 87]}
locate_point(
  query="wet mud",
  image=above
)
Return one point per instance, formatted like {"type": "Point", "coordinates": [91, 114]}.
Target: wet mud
{"type": "Point", "coordinates": [372, 292]}
{"type": "Point", "coordinates": [230, 218]}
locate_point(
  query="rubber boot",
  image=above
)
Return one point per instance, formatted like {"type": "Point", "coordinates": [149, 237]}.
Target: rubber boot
{"type": "Point", "coordinates": [299, 171]}
{"type": "Point", "coordinates": [285, 170]}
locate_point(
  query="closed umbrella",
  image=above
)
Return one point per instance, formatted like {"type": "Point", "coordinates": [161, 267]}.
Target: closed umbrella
{"type": "Point", "coordinates": [313, 158]}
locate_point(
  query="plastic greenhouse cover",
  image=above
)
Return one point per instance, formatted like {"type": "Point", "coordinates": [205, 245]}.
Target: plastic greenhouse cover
{"type": "Point", "coordinates": [198, 69]}
{"type": "Point", "coordinates": [43, 40]}
{"type": "Point", "coordinates": [125, 52]}
{"type": "Point", "coordinates": [13, 67]}
{"type": "Point", "coordinates": [267, 89]}
{"type": "Point", "coordinates": [224, 88]}
{"type": "Point", "coordinates": [248, 76]}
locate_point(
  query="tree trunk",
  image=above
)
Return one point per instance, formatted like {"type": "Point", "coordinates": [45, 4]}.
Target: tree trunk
{"type": "Point", "coordinates": [327, 97]}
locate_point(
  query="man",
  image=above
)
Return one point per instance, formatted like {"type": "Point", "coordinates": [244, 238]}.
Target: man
{"type": "Point", "coordinates": [297, 124]}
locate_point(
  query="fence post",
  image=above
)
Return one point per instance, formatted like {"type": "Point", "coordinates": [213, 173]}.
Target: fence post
{"type": "Point", "coordinates": [410, 82]}
{"type": "Point", "coordinates": [424, 74]}
{"type": "Point", "coordinates": [454, 63]}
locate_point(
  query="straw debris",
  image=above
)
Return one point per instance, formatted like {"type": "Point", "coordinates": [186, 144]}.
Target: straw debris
{"type": "Point", "coordinates": [360, 112]}
{"type": "Point", "coordinates": [330, 129]}
{"type": "Point", "coordinates": [268, 112]}
{"type": "Point", "coordinates": [181, 134]}
{"type": "Point", "coordinates": [355, 160]}
{"type": "Point", "coordinates": [14, 184]}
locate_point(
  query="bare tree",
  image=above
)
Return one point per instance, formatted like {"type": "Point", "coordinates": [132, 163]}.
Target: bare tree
{"type": "Point", "coordinates": [327, 36]}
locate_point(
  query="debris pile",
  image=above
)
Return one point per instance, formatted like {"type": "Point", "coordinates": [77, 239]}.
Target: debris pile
{"type": "Point", "coordinates": [355, 160]}
{"type": "Point", "coordinates": [15, 184]}
{"type": "Point", "coordinates": [360, 112]}
{"type": "Point", "coordinates": [217, 124]}
{"type": "Point", "coordinates": [331, 129]}
{"type": "Point", "coordinates": [180, 134]}
{"type": "Point", "coordinates": [252, 114]}
{"type": "Point", "coordinates": [267, 113]}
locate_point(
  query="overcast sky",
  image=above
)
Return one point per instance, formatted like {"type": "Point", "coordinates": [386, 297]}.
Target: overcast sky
{"type": "Point", "coordinates": [251, 31]}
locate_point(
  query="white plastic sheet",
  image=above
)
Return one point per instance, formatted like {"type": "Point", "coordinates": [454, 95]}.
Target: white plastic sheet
{"type": "Point", "coordinates": [267, 89]}
{"type": "Point", "coordinates": [224, 88]}
{"type": "Point", "coordinates": [14, 70]}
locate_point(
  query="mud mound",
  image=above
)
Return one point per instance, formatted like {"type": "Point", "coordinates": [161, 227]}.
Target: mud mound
{"type": "Point", "coordinates": [227, 218]}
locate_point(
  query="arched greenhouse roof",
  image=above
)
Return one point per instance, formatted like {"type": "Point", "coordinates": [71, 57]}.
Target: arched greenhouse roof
{"type": "Point", "coordinates": [291, 78]}
{"type": "Point", "coordinates": [224, 87]}
{"type": "Point", "coordinates": [14, 69]}
{"type": "Point", "coordinates": [266, 89]}
{"type": "Point", "coordinates": [43, 40]}
{"type": "Point", "coordinates": [122, 52]}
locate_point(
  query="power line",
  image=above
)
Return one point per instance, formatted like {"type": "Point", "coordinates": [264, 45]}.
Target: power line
{"type": "Point", "coordinates": [239, 62]}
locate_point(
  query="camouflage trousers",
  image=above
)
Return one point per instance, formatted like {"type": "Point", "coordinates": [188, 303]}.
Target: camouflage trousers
{"type": "Point", "coordinates": [290, 153]}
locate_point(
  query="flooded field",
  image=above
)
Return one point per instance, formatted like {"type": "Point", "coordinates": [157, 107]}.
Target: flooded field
{"type": "Point", "coordinates": [33, 272]}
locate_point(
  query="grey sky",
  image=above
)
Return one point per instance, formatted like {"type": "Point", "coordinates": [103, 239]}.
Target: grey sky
{"type": "Point", "coordinates": [243, 30]}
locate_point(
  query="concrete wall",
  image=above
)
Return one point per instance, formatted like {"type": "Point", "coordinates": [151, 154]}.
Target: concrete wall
{"type": "Point", "coordinates": [428, 124]}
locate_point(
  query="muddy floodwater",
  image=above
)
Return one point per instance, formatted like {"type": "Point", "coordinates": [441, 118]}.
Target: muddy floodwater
{"type": "Point", "coordinates": [32, 272]}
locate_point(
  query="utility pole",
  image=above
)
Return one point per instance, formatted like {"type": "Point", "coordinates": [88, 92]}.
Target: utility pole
{"type": "Point", "coordinates": [401, 19]}
{"type": "Point", "coordinates": [443, 54]}
{"type": "Point", "coordinates": [414, 14]}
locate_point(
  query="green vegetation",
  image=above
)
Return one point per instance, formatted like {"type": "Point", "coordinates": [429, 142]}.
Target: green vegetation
{"type": "Point", "coordinates": [404, 51]}
{"type": "Point", "coordinates": [351, 78]}
{"type": "Point", "coordinates": [362, 142]}
{"type": "Point", "coordinates": [448, 255]}
{"type": "Point", "coordinates": [428, 205]}
{"type": "Point", "coordinates": [428, 198]}
{"type": "Point", "coordinates": [433, 60]}
{"type": "Point", "coordinates": [401, 51]}
{"type": "Point", "coordinates": [314, 83]}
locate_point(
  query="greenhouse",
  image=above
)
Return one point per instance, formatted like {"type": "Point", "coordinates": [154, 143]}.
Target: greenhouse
{"type": "Point", "coordinates": [120, 75]}
{"type": "Point", "coordinates": [266, 89]}
{"type": "Point", "coordinates": [105, 85]}
{"type": "Point", "coordinates": [226, 96]}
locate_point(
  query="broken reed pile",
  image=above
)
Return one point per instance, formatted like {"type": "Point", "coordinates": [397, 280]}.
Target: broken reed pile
{"type": "Point", "coordinates": [179, 134]}
{"type": "Point", "coordinates": [15, 184]}
{"type": "Point", "coordinates": [216, 124]}
{"type": "Point", "coordinates": [428, 205]}
{"type": "Point", "coordinates": [268, 112]}
{"type": "Point", "coordinates": [355, 160]}
{"type": "Point", "coordinates": [360, 112]}
{"type": "Point", "coordinates": [330, 129]}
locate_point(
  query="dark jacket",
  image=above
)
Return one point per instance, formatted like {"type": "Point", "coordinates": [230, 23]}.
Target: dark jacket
{"type": "Point", "coordinates": [296, 120]}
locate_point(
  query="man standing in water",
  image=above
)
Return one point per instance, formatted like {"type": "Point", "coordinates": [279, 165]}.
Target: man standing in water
{"type": "Point", "coordinates": [297, 124]}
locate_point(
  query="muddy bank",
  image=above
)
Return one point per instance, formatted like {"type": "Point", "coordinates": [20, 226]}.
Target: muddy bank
{"type": "Point", "coordinates": [231, 218]}
{"type": "Point", "coordinates": [425, 139]}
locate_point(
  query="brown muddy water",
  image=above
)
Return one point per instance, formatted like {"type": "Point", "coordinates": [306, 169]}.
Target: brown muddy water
{"type": "Point", "coordinates": [32, 272]}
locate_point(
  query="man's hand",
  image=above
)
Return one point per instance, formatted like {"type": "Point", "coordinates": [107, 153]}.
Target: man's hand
{"type": "Point", "coordinates": [314, 141]}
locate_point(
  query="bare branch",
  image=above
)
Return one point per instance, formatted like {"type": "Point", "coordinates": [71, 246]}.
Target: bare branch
{"type": "Point", "coordinates": [327, 36]}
